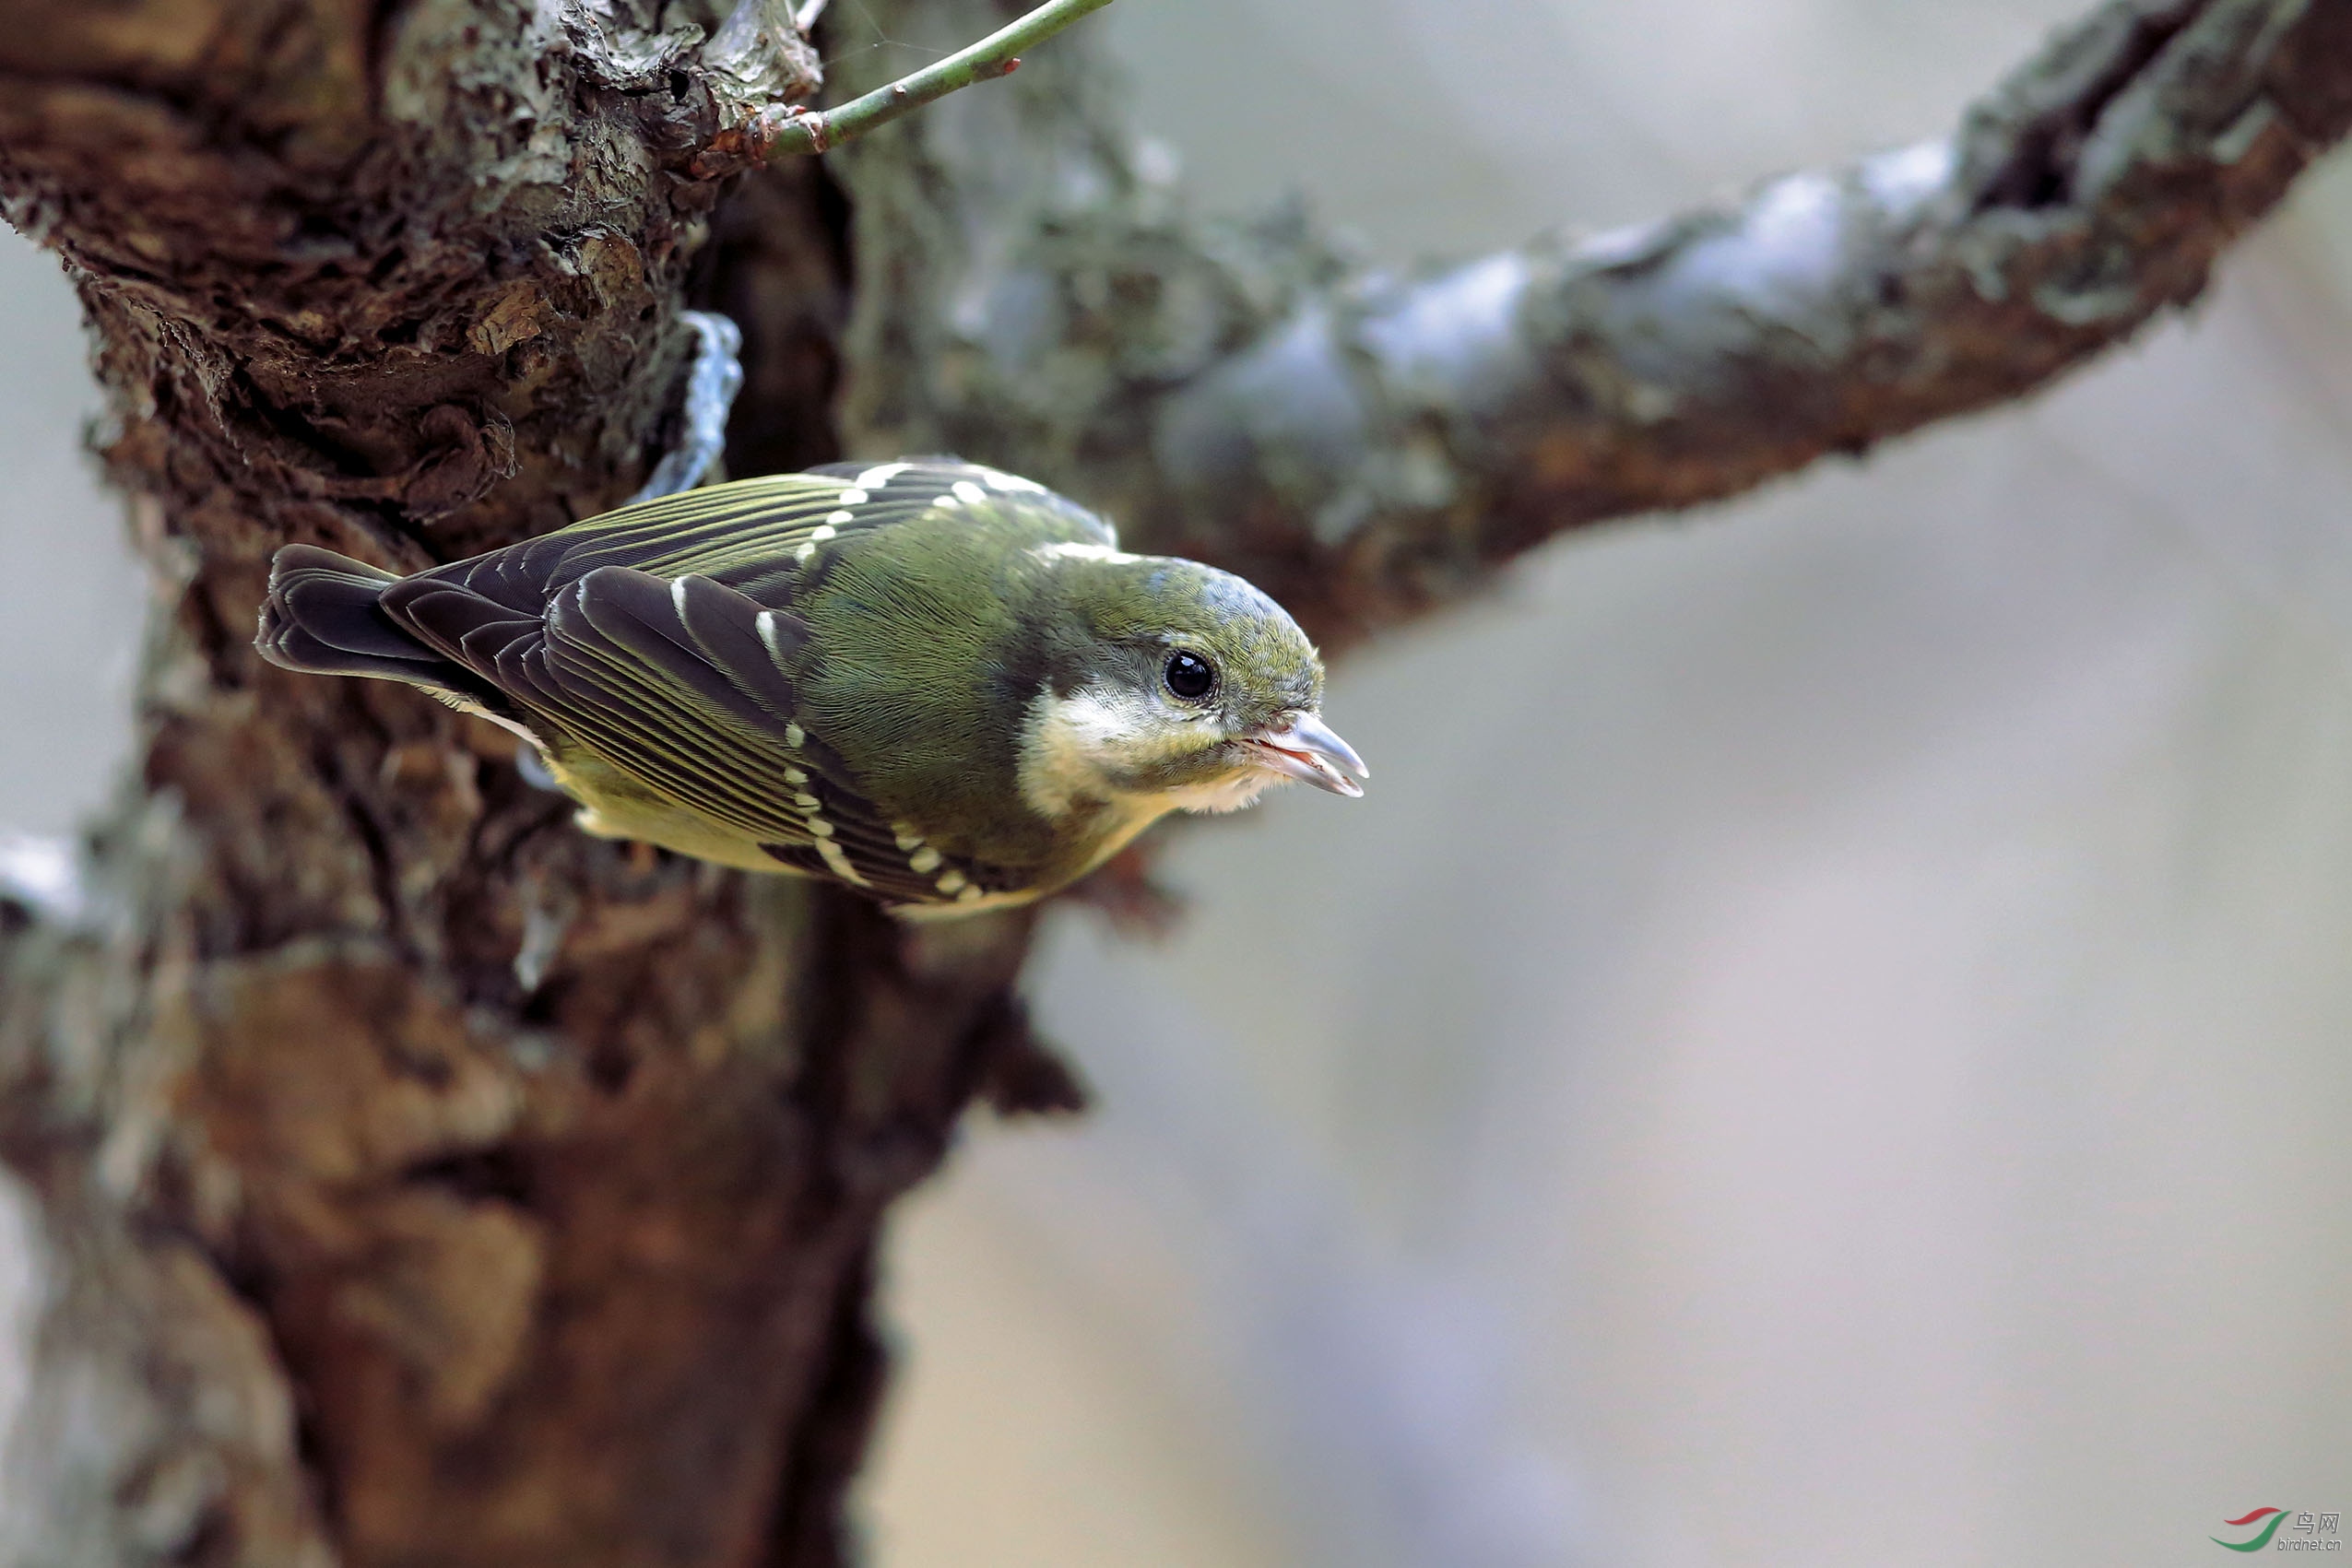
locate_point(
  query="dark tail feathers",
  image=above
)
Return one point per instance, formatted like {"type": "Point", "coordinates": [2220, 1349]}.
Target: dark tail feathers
{"type": "Point", "coordinates": [323, 617]}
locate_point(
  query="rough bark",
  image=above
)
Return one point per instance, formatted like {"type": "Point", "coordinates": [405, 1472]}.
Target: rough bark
{"type": "Point", "coordinates": [423, 1182]}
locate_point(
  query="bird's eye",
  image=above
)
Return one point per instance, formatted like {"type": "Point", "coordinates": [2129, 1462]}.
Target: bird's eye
{"type": "Point", "coordinates": [1190, 676]}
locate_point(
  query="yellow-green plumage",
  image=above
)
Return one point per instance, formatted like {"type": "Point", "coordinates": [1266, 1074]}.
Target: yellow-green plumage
{"type": "Point", "coordinates": [931, 680]}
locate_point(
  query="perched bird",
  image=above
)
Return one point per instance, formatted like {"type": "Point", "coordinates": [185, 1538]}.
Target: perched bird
{"type": "Point", "coordinates": [940, 684]}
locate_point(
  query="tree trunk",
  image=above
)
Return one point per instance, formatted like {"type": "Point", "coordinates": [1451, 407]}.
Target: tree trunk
{"type": "Point", "coordinates": [425, 1181]}
{"type": "Point", "coordinates": [420, 1181]}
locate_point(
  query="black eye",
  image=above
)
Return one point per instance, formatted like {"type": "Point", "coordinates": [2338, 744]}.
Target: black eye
{"type": "Point", "coordinates": [1190, 676]}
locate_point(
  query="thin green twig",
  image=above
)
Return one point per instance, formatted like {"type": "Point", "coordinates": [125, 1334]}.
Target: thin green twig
{"type": "Point", "coordinates": [799, 130]}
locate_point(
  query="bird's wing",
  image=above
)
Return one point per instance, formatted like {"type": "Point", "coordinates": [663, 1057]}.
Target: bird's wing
{"type": "Point", "coordinates": [757, 535]}
{"type": "Point", "coordinates": [682, 684]}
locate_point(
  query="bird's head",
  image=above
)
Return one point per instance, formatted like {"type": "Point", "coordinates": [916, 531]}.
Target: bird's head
{"type": "Point", "coordinates": [1175, 687]}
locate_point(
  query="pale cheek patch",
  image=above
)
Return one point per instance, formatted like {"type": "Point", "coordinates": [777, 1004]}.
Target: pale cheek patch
{"type": "Point", "coordinates": [1070, 745]}
{"type": "Point", "coordinates": [1085, 746]}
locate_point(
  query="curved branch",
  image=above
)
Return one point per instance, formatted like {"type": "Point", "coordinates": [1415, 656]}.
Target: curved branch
{"type": "Point", "coordinates": [1366, 447]}
{"type": "Point", "coordinates": [794, 129]}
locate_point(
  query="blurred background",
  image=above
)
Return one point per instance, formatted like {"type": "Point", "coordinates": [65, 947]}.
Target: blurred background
{"type": "Point", "coordinates": [1830, 1037]}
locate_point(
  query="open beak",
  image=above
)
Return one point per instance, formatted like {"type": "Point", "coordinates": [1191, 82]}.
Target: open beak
{"type": "Point", "coordinates": [1308, 751]}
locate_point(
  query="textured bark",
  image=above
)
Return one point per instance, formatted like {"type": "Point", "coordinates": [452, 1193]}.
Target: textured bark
{"type": "Point", "coordinates": [422, 1182]}
{"type": "Point", "coordinates": [374, 1243]}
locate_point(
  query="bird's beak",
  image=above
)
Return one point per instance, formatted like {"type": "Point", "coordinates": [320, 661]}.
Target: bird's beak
{"type": "Point", "coordinates": [1308, 749]}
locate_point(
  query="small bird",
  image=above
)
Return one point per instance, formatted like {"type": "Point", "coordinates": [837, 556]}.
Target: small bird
{"type": "Point", "coordinates": [942, 685]}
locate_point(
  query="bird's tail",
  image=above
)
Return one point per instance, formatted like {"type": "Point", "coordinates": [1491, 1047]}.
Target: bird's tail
{"type": "Point", "coordinates": [324, 616]}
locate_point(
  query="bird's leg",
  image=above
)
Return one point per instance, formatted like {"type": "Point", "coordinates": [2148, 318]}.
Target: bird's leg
{"type": "Point", "coordinates": [711, 388]}
{"type": "Point", "coordinates": [534, 769]}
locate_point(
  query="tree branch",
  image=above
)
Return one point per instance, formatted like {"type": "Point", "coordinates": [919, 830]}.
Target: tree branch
{"type": "Point", "coordinates": [1367, 447]}
{"type": "Point", "coordinates": [793, 129]}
